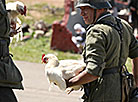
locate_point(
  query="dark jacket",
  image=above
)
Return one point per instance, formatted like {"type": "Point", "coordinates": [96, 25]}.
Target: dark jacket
{"type": "Point", "coordinates": [10, 76]}
{"type": "Point", "coordinates": [134, 3]}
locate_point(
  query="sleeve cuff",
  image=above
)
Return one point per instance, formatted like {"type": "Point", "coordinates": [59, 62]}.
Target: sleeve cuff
{"type": "Point", "coordinates": [94, 69]}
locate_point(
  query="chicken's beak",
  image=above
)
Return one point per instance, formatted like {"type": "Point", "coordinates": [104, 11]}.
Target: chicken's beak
{"type": "Point", "coordinates": [44, 60]}
{"type": "Point", "coordinates": [23, 11]}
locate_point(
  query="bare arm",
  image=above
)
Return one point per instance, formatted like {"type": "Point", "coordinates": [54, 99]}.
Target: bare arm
{"type": "Point", "coordinates": [135, 69]}
{"type": "Point", "coordinates": [82, 78]}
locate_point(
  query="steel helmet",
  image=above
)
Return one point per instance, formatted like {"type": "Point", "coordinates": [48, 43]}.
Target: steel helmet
{"type": "Point", "coordinates": [96, 4]}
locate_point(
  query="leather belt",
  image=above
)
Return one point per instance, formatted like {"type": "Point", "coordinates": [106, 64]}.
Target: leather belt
{"type": "Point", "coordinates": [111, 70]}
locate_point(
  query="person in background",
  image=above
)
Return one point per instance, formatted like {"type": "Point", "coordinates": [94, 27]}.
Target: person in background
{"type": "Point", "coordinates": [118, 5]}
{"type": "Point", "coordinates": [10, 76]}
{"type": "Point", "coordinates": [109, 42]}
{"type": "Point", "coordinates": [134, 12]}
{"type": "Point", "coordinates": [79, 38]}
{"type": "Point", "coordinates": [114, 8]}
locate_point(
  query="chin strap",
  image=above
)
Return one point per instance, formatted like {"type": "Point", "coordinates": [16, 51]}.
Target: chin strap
{"type": "Point", "coordinates": [94, 17]}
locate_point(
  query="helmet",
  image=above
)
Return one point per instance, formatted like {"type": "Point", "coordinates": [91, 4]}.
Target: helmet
{"type": "Point", "coordinates": [96, 4]}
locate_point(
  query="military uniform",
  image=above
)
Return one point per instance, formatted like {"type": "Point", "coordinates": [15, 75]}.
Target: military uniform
{"type": "Point", "coordinates": [102, 51]}
{"type": "Point", "coordinates": [10, 76]}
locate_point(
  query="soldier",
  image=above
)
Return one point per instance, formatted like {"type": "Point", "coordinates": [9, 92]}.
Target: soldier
{"type": "Point", "coordinates": [10, 77]}
{"type": "Point", "coordinates": [134, 10]}
{"type": "Point", "coordinates": [109, 42]}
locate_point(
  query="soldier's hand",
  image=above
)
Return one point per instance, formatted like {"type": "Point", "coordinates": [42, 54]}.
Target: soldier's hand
{"type": "Point", "coordinates": [68, 83]}
{"type": "Point", "coordinates": [14, 31]}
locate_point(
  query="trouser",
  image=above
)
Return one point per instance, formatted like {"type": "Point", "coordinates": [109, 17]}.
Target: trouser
{"type": "Point", "coordinates": [7, 95]}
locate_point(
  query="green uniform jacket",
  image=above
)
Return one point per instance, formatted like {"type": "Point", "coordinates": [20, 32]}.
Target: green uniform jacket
{"type": "Point", "coordinates": [102, 51]}
{"type": "Point", "coordinates": [10, 76]}
{"type": "Point", "coordinates": [4, 21]}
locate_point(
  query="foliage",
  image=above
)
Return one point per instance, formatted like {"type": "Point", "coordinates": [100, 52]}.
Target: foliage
{"type": "Point", "coordinates": [33, 49]}
{"type": "Point", "coordinates": [129, 65]}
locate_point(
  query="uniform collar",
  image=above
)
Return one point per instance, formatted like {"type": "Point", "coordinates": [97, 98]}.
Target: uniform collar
{"type": "Point", "coordinates": [101, 17]}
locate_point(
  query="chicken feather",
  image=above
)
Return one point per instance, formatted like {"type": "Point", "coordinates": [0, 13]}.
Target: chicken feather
{"type": "Point", "coordinates": [58, 71]}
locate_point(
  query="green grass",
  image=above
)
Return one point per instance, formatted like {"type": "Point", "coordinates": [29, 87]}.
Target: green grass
{"type": "Point", "coordinates": [33, 49]}
{"type": "Point", "coordinates": [129, 65]}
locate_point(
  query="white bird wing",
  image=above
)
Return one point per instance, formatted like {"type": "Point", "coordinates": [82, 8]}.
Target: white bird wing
{"type": "Point", "coordinates": [69, 72]}
{"type": "Point", "coordinates": [71, 62]}
{"type": "Point", "coordinates": [71, 68]}
{"type": "Point", "coordinates": [55, 76]}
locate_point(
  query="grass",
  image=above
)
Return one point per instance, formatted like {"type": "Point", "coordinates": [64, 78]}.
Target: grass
{"type": "Point", "coordinates": [33, 49]}
{"type": "Point", "coordinates": [129, 65]}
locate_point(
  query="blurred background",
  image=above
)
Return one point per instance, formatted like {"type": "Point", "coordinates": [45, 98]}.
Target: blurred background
{"type": "Point", "coordinates": [49, 27]}
{"type": "Point", "coordinates": [53, 26]}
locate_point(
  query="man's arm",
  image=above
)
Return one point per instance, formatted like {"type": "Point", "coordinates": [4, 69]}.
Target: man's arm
{"type": "Point", "coordinates": [82, 78]}
{"type": "Point", "coordinates": [135, 69]}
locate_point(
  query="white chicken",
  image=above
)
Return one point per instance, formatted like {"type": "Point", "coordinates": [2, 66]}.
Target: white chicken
{"type": "Point", "coordinates": [14, 9]}
{"type": "Point", "coordinates": [58, 71]}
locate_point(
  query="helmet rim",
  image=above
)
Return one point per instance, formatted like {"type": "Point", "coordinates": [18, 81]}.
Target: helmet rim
{"type": "Point", "coordinates": [96, 5]}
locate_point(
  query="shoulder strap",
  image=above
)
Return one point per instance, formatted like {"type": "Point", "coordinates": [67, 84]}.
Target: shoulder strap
{"type": "Point", "coordinates": [117, 26]}
{"type": "Point", "coordinates": [119, 29]}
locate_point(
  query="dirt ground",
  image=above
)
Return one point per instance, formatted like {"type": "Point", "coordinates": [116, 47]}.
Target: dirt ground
{"type": "Point", "coordinates": [56, 3]}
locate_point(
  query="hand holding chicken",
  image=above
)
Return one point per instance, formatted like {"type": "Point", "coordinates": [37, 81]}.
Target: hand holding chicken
{"type": "Point", "coordinates": [58, 71]}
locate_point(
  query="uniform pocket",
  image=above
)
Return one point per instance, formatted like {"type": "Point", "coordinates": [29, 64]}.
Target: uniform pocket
{"type": "Point", "coordinates": [108, 89]}
{"type": "Point", "coordinates": [112, 88]}
{"type": "Point", "coordinates": [9, 73]}
{"type": "Point", "coordinates": [12, 72]}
